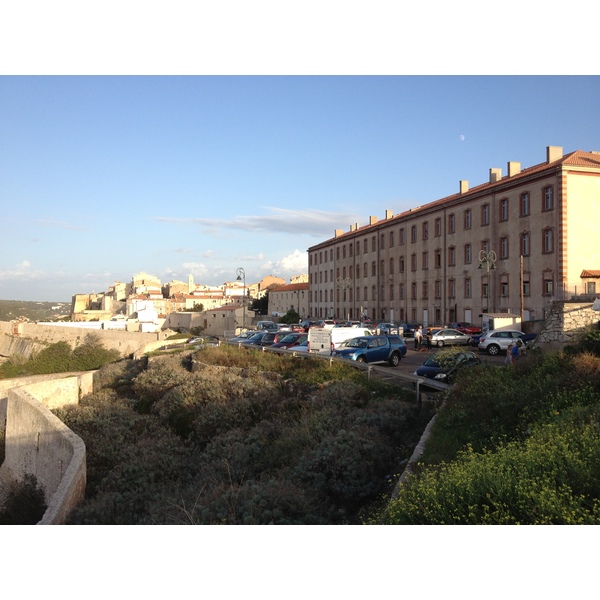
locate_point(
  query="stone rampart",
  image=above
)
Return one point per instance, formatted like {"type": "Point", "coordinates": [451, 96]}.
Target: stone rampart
{"type": "Point", "coordinates": [38, 443]}
{"type": "Point", "coordinates": [566, 324]}
{"type": "Point", "coordinates": [33, 338]}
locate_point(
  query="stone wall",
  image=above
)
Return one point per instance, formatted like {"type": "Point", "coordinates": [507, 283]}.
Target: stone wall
{"type": "Point", "coordinates": [34, 337]}
{"type": "Point", "coordinates": [566, 324]}
{"type": "Point", "coordinates": [38, 443]}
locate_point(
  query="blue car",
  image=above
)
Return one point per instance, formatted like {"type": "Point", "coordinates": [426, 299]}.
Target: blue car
{"type": "Point", "coordinates": [373, 349]}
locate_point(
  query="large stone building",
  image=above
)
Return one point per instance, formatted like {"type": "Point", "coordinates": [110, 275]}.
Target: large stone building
{"type": "Point", "coordinates": [514, 244]}
{"type": "Point", "coordinates": [293, 296]}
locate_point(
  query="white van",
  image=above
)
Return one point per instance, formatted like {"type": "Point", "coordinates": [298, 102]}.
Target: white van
{"type": "Point", "coordinates": [324, 341]}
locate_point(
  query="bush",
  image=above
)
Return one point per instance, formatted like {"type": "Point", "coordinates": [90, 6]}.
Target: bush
{"type": "Point", "coordinates": [25, 503]}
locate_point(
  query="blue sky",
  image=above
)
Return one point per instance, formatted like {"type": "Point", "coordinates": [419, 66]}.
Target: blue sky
{"type": "Point", "coordinates": [105, 176]}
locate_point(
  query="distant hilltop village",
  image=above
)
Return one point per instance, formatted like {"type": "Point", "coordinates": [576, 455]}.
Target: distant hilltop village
{"type": "Point", "coordinates": [145, 304]}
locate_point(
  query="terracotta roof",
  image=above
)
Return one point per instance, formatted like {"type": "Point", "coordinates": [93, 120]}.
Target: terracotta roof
{"type": "Point", "coordinates": [590, 273]}
{"type": "Point", "coordinates": [290, 287]}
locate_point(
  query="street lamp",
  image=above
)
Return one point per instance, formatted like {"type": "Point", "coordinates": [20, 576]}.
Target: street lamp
{"type": "Point", "coordinates": [344, 284]}
{"type": "Point", "coordinates": [241, 276]}
{"type": "Point", "coordinates": [487, 261]}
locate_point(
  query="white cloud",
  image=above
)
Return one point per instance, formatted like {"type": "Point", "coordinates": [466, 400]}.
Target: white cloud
{"type": "Point", "coordinates": [295, 263]}
{"type": "Point", "coordinates": [312, 222]}
{"type": "Point", "coordinates": [20, 271]}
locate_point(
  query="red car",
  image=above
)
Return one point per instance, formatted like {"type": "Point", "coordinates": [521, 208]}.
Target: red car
{"type": "Point", "coordinates": [467, 328]}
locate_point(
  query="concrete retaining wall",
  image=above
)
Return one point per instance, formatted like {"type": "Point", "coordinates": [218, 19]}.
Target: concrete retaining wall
{"type": "Point", "coordinates": [38, 443]}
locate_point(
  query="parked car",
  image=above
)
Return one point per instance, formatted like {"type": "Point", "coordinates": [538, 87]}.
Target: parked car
{"type": "Point", "coordinates": [467, 328]}
{"type": "Point", "coordinates": [444, 366]}
{"type": "Point", "coordinates": [498, 340]}
{"type": "Point", "coordinates": [272, 337]}
{"type": "Point", "coordinates": [387, 329]}
{"type": "Point", "coordinates": [254, 340]}
{"type": "Point", "coordinates": [266, 326]}
{"type": "Point", "coordinates": [373, 349]}
{"type": "Point", "coordinates": [290, 340]}
{"type": "Point", "coordinates": [302, 347]}
{"type": "Point", "coordinates": [326, 323]}
{"type": "Point", "coordinates": [409, 329]}
{"type": "Point", "coordinates": [448, 337]}
{"type": "Point", "coordinates": [241, 337]}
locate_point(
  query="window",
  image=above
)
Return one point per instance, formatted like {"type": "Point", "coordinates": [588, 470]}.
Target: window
{"type": "Point", "coordinates": [468, 219]}
{"type": "Point", "coordinates": [413, 233]}
{"type": "Point", "coordinates": [391, 266]}
{"type": "Point", "coordinates": [365, 293]}
{"type": "Point", "coordinates": [391, 292]}
{"type": "Point", "coordinates": [438, 227]}
{"type": "Point", "coordinates": [525, 243]}
{"type": "Point", "coordinates": [548, 240]}
{"type": "Point", "coordinates": [526, 285]}
{"type": "Point", "coordinates": [484, 289]}
{"type": "Point", "coordinates": [425, 259]}
{"type": "Point", "coordinates": [485, 245]}
{"type": "Point", "coordinates": [391, 239]}
{"type": "Point", "coordinates": [504, 209]}
{"type": "Point", "coordinates": [402, 266]}
{"type": "Point", "coordinates": [401, 291]}
{"type": "Point", "coordinates": [548, 286]}
{"type": "Point", "coordinates": [467, 287]}
{"type": "Point", "coordinates": [382, 241]}
{"type": "Point", "coordinates": [485, 214]}
{"type": "Point", "coordinates": [382, 267]}
{"type": "Point", "coordinates": [424, 290]}
{"type": "Point", "coordinates": [357, 272]}
{"type": "Point", "coordinates": [451, 256]}
{"type": "Point", "coordinates": [357, 294]}
{"type": "Point", "coordinates": [401, 236]}
{"type": "Point", "coordinates": [451, 288]}
{"type": "Point", "coordinates": [425, 230]}
{"type": "Point", "coordinates": [373, 268]}
{"type": "Point", "coordinates": [451, 224]}
{"type": "Point", "coordinates": [337, 253]}
{"type": "Point", "coordinates": [357, 248]}
{"type": "Point", "coordinates": [548, 198]}
{"type": "Point", "coordinates": [413, 290]}
{"type": "Point", "coordinates": [504, 286]}
{"type": "Point", "coordinates": [365, 270]}
{"type": "Point", "coordinates": [373, 244]}
{"type": "Point", "coordinates": [503, 247]}
{"type": "Point", "coordinates": [438, 288]}
{"type": "Point", "coordinates": [365, 246]}
{"type": "Point", "coordinates": [468, 254]}
{"type": "Point", "coordinates": [524, 204]}
{"type": "Point", "coordinates": [590, 288]}
{"type": "Point", "coordinates": [413, 262]}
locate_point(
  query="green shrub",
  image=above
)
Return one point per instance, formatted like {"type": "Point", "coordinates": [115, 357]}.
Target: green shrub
{"type": "Point", "coordinates": [25, 503]}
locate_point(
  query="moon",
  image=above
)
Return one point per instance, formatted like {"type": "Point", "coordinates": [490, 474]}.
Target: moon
{"type": "Point", "coordinates": [461, 137]}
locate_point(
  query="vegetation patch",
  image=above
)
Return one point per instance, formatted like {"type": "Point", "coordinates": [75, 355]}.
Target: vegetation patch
{"type": "Point", "coordinates": [25, 503]}
{"type": "Point", "coordinates": [268, 440]}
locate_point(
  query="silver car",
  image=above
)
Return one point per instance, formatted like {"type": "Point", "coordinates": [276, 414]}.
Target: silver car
{"type": "Point", "coordinates": [448, 337]}
{"type": "Point", "coordinates": [498, 340]}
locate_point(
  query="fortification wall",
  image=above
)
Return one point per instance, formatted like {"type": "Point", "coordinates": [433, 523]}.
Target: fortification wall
{"type": "Point", "coordinates": [33, 337]}
{"type": "Point", "coordinates": [566, 323]}
{"type": "Point", "coordinates": [38, 443]}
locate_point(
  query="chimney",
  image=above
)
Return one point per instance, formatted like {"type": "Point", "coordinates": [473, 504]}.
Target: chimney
{"type": "Point", "coordinates": [372, 220]}
{"type": "Point", "coordinates": [553, 153]}
{"type": "Point", "coordinates": [514, 168]}
{"type": "Point", "coordinates": [339, 232]}
{"type": "Point", "coordinates": [495, 175]}
{"type": "Point", "coordinates": [388, 214]}
{"type": "Point", "coordinates": [464, 186]}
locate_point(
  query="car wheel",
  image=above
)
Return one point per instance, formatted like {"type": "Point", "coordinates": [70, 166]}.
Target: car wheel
{"type": "Point", "coordinates": [440, 343]}
{"type": "Point", "coordinates": [493, 349]}
{"type": "Point", "coordinates": [361, 359]}
{"type": "Point", "coordinates": [394, 359]}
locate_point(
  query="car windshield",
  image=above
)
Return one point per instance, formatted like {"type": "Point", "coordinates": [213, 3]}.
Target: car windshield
{"type": "Point", "coordinates": [357, 343]}
{"type": "Point", "coordinates": [256, 336]}
{"type": "Point", "coordinates": [290, 338]}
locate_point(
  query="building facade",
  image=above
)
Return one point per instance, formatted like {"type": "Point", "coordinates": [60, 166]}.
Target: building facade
{"type": "Point", "coordinates": [293, 296]}
{"type": "Point", "coordinates": [514, 244]}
